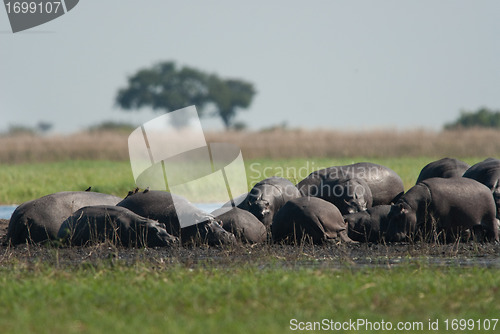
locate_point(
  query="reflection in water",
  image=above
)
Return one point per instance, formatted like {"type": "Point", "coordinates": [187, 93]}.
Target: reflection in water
{"type": "Point", "coordinates": [6, 211]}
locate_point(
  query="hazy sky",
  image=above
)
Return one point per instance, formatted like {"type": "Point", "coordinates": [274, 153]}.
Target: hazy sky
{"type": "Point", "coordinates": [318, 64]}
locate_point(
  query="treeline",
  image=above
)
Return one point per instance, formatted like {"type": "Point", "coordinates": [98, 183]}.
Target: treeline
{"type": "Point", "coordinates": [481, 118]}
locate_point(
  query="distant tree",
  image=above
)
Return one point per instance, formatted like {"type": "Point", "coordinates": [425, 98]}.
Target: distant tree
{"type": "Point", "coordinates": [228, 96]}
{"type": "Point", "coordinates": [17, 129]}
{"type": "Point", "coordinates": [112, 126]}
{"type": "Point", "coordinates": [239, 126]}
{"type": "Point", "coordinates": [166, 87]}
{"type": "Point", "coordinates": [40, 129]}
{"type": "Point", "coordinates": [483, 118]}
{"type": "Point", "coordinates": [44, 127]}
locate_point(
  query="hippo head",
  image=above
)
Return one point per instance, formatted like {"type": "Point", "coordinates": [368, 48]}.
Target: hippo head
{"type": "Point", "coordinates": [358, 223]}
{"type": "Point", "coordinates": [350, 195]}
{"type": "Point", "coordinates": [209, 232]}
{"type": "Point", "coordinates": [157, 235]}
{"type": "Point", "coordinates": [357, 201]}
{"type": "Point", "coordinates": [261, 202]}
{"type": "Point", "coordinates": [357, 218]}
{"type": "Point", "coordinates": [402, 222]}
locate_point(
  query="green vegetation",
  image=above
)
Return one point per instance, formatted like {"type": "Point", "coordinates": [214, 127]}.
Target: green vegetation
{"type": "Point", "coordinates": [166, 87]}
{"type": "Point", "coordinates": [23, 182]}
{"type": "Point", "coordinates": [481, 118]}
{"type": "Point", "coordinates": [40, 129]}
{"type": "Point", "coordinates": [149, 298]}
{"type": "Point", "coordinates": [113, 126]}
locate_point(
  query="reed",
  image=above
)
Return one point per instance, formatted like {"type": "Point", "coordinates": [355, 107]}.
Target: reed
{"type": "Point", "coordinates": [276, 144]}
{"type": "Point", "coordinates": [371, 144]}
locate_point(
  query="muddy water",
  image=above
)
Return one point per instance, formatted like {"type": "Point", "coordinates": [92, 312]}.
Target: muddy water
{"type": "Point", "coordinates": [266, 256]}
{"type": "Point", "coordinates": [6, 211]}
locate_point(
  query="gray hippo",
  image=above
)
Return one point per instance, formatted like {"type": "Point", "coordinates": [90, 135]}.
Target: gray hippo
{"type": "Point", "coordinates": [439, 208]}
{"type": "Point", "coordinates": [445, 168]}
{"type": "Point", "coordinates": [354, 188]}
{"type": "Point", "coordinates": [268, 196]}
{"type": "Point", "coordinates": [488, 173]}
{"type": "Point", "coordinates": [309, 218]}
{"type": "Point", "coordinates": [159, 206]}
{"type": "Point", "coordinates": [40, 219]}
{"type": "Point", "coordinates": [118, 225]}
{"type": "Point", "coordinates": [369, 225]}
{"type": "Point", "coordinates": [244, 225]}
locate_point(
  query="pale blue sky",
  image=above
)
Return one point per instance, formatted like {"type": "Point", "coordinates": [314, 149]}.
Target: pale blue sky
{"type": "Point", "coordinates": [318, 64]}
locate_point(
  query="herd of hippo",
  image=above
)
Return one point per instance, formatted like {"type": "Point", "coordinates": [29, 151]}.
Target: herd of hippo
{"type": "Point", "coordinates": [362, 202]}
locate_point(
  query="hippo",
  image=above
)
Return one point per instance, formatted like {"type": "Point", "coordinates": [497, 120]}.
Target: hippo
{"type": "Point", "coordinates": [354, 188]}
{"type": "Point", "coordinates": [445, 168]}
{"type": "Point", "coordinates": [309, 218]}
{"type": "Point", "coordinates": [39, 220]}
{"type": "Point", "coordinates": [369, 225]}
{"type": "Point", "coordinates": [443, 208]}
{"type": "Point", "coordinates": [159, 206]}
{"type": "Point", "coordinates": [100, 223]}
{"type": "Point", "coordinates": [349, 194]}
{"type": "Point", "coordinates": [268, 196]}
{"type": "Point", "coordinates": [244, 225]}
{"type": "Point", "coordinates": [488, 173]}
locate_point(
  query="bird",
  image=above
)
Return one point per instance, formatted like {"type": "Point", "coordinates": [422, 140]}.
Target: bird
{"type": "Point", "coordinates": [136, 190]}
{"type": "Point", "coordinates": [145, 190]}
{"type": "Point", "coordinates": [88, 189]}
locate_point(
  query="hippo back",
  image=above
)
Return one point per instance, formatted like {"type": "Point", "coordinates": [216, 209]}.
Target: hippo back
{"type": "Point", "coordinates": [385, 185]}
{"type": "Point", "coordinates": [159, 206]}
{"type": "Point", "coordinates": [156, 205]}
{"type": "Point", "coordinates": [115, 224]}
{"type": "Point", "coordinates": [311, 218]}
{"type": "Point", "coordinates": [40, 219]}
{"type": "Point", "coordinates": [487, 172]}
{"type": "Point", "coordinates": [444, 168]}
{"type": "Point", "coordinates": [244, 225]}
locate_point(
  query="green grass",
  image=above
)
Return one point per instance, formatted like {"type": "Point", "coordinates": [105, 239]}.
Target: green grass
{"type": "Point", "coordinates": [236, 299]}
{"type": "Point", "coordinates": [23, 182]}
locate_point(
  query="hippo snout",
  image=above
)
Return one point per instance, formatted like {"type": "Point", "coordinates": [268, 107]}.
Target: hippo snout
{"type": "Point", "coordinates": [260, 210]}
{"type": "Point", "coordinates": [260, 214]}
{"type": "Point", "coordinates": [351, 210]}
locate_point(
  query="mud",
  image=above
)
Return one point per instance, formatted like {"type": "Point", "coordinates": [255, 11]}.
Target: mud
{"type": "Point", "coordinates": [331, 255]}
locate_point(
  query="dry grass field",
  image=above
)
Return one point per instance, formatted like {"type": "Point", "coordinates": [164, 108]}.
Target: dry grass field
{"type": "Point", "coordinates": [277, 144]}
